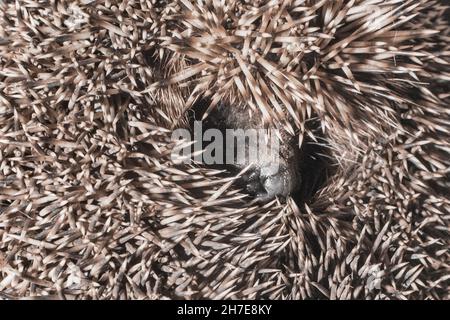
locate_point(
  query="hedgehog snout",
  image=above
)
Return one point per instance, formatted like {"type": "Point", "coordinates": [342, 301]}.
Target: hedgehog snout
{"type": "Point", "coordinates": [270, 181]}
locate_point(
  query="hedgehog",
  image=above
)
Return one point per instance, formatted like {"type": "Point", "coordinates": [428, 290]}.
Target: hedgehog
{"type": "Point", "coordinates": [92, 205]}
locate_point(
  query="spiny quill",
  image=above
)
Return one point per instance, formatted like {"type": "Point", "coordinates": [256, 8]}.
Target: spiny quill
{"type": "Point", "coordinates": [292, 59]}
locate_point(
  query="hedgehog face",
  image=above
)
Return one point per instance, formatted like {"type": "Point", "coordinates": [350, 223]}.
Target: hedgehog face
{"type": "Point", "coordinates": [266, 183]}
{"type": "Point", "coordinates": [268, 156]}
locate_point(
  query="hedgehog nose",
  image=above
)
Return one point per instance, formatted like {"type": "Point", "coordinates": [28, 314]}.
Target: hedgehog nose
{"type": "Point", "coordinates": [276, 183]}
{"type": "Point", "coordinates": [268, 182]}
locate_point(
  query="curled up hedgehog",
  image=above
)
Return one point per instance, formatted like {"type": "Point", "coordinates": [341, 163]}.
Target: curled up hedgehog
{"type": "Point", "coordinates": [93, 206]}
